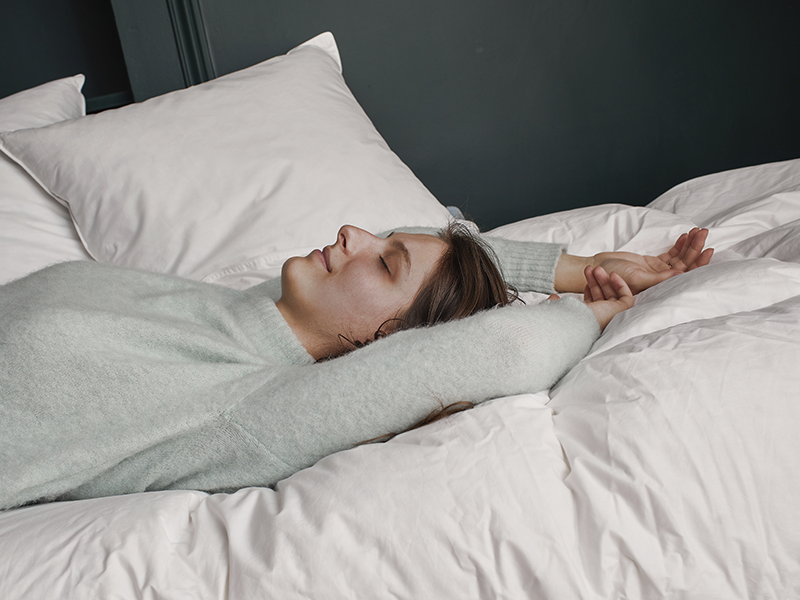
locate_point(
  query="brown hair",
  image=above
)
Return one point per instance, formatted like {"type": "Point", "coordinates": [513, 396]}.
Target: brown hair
{"type": "Point", "coordinates": [467, 279]}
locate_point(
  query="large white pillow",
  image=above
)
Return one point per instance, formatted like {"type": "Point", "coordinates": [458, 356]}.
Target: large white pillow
{"type": "Point", "coordinates": [233, 175]}
{"type": "Point", "coordinates": [35, 231]}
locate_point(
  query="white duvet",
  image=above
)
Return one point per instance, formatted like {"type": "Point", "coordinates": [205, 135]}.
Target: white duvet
{"type": "Point", "coordinates": [666, 464]}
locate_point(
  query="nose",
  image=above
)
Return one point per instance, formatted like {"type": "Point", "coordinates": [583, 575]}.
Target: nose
{"type": "Point", "coordinates": [353, 239]}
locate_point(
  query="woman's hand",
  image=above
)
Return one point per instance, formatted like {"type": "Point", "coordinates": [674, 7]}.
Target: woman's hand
{"type": "Point", "coordinates": [639, 272]}
{"type": "Point", "coordinates": [607, 295]}
{"type": "Point", "coordinates": [642, 272]}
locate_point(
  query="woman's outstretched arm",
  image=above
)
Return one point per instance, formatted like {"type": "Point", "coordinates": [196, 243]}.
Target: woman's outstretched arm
{"type": "Point", "coordinates": [640, 272]}
{"type": "Point", "coordinates": [544, 267]}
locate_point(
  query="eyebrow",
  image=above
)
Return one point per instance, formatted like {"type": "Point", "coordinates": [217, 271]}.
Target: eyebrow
{"type": "Point", "coordinates": [399, 247]}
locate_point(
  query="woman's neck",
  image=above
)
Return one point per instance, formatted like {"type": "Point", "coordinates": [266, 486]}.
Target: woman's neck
{"type": "Point", "coordinates": [310, 336]}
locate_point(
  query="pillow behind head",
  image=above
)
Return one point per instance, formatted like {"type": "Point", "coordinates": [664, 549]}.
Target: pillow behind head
{"type": "Point", "coordinates": [35, 231]}
{"type": "Point", "coordinates": [236, 174]}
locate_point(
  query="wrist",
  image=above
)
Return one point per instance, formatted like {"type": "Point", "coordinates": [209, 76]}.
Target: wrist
{"type": "Point", "coordinates": [569, 273]}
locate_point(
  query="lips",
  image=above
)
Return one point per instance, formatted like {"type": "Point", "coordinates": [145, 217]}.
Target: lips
{"type": "Point", "coordinates": [326, 257]}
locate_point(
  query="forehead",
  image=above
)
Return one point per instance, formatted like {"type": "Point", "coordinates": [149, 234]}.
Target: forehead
{"type": "Point", "coordinates": [423, 252]}
{"type": "Point", "coordinates": [418, 239]}
{"type": "Point", "coordinates": [421, 248]}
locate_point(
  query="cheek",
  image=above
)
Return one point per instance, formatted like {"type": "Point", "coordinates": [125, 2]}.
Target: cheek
{"type": "Point", "coordinates": [367, 297]}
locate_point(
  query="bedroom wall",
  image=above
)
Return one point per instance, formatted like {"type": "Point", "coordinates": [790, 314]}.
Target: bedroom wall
{"type": "Point", "coordinates": [512, 108]}
{"type": "Point", "coordinates": [42, 40]}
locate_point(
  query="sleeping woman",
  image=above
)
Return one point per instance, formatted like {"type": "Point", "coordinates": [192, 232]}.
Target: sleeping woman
{"type": "Point", "coordinates": [116, 381]}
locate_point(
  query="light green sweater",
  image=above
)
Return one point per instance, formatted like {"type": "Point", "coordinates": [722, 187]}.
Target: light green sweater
{"type": "Point", "coordinates": [116, 381]}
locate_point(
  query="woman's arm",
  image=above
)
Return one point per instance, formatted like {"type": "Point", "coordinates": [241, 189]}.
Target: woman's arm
{"type": "Point", "coordinates": [308, 412]}
{"type": "Point", "coordinates": [527, 265]}
{"type": "Point", "coordinates": [544, 267]}
{"type": "Point", "coordinates": [640, 272]}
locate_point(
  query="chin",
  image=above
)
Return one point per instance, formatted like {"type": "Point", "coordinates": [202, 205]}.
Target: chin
{"type": "Point", "coordinates": [287, 265]}
{"type": "Point", "coordinates": [294, 268]}
{"type": "Point", "coordinates": [299, 281]}
{"type": "Point", "coordinates": [289, 274]}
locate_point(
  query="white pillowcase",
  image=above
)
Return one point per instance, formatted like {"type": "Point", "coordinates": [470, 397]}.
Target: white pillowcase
{"type": "Point", "coordinates": [45, 104]}
{"type": "Point", "coordinates": [35, 231]}
{"type": "Point", "coordinates": [230, 177]}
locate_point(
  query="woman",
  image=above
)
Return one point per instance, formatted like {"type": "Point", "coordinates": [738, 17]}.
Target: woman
{"type": "Point", "coordinates": [118, 381]}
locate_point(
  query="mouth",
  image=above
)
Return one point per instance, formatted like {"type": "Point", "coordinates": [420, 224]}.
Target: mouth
{"type": "Point", "coordinates": [325, 255]}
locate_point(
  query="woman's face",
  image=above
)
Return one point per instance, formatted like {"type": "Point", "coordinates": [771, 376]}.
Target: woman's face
{"type": "Point", "coordinates": [353, 286]}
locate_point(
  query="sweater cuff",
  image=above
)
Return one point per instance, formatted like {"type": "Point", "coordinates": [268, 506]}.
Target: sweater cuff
{"type": "Point", "coordinates": [529, 266]}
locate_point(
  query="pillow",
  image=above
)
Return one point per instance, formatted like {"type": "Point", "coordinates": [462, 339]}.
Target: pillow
{"type": "Point", "coordinates": [35, 231]}
{"type": "Point", "coordinates": [234, 175]}
{"type": "Point", "coordinates": [48, 103]}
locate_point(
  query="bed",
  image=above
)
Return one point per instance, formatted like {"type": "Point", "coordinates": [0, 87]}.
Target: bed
{"type": "Point", "coordinates": [666, 464]}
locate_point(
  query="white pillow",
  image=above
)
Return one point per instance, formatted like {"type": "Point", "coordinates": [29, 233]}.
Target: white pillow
{"type": "Point", "coordinates": [45, 104]}
{"type": "Point", "coordinates": [233, 175]}
{"type": "Point", "coordinates": [35, 231]}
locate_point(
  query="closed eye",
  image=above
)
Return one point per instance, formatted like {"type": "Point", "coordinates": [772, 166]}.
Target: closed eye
{"type": "Point", "coordinates": [385, 266]}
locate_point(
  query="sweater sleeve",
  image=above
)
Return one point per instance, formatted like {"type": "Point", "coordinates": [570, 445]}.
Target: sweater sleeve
{"type": "Point", "coordinates": [311, 411]}
{"type": "Point", "coordinates": [528, 266]}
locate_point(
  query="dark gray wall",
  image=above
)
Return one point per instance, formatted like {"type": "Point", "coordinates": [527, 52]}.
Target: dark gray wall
{"type": "Point", "coordinates": [42, 40]}
{"type": "Point", "coordinates": [512, 108]}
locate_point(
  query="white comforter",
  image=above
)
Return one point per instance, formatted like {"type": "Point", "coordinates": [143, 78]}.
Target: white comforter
{"type": "Point", "coordinates": [665, 465]}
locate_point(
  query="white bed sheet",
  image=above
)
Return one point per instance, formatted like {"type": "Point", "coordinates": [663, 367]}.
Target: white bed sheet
{"type": "Point", "coordinates": [665, 465]}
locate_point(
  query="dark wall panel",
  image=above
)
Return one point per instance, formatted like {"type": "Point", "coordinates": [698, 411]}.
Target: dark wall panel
{"type": "Point", "coordinates": [42, 40]}
{"type": "Point", "coordinates": [512, 108]}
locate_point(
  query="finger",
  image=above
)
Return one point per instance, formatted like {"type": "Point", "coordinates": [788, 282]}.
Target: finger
{"type": "Point", "coordinates": [676, 266]}
{"type": "Point", "coordinates": [703, 259]}
{"type": "Point", "coordinates": [676, 249]}
{"type": "Point", "coordinates": [593, 292]}
{"type": "Point", "coordinates": [623, 292]}
{"type": "Point", "coordinates": [604, 281]}
{"type": "Point", "coordinates": [694, 246]}
{"type": "Point", "coordinates": [552, 297]}
{"type": "Point", "coordinates": [691, 249]}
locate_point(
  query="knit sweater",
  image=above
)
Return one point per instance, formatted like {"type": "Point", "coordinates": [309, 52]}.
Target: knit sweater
{"type": "Point", "coordinates": [116, 381]}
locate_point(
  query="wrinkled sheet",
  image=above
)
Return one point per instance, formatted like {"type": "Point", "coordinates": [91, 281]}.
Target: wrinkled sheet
{"type": "Point", "coordinates": [666, 464]}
